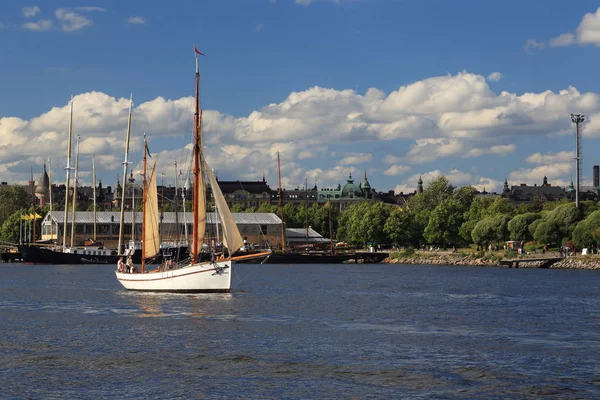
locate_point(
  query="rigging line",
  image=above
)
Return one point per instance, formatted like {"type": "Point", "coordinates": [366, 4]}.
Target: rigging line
{"type": "Point", "coordinates": [253, 269]}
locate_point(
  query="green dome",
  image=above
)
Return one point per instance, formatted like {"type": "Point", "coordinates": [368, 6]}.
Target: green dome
{"type": "Point", "coordinates": [350, 189]}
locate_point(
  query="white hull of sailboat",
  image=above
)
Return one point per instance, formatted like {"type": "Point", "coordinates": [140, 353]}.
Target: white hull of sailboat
{"type": "Point", "coordinates": [202, 277]}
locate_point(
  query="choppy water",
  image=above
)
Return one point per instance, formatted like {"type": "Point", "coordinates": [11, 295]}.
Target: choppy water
{"type": "Point", "coordinates": [330, 331]}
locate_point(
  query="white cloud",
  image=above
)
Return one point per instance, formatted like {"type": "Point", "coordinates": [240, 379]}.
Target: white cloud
{"type": "Point", "coordinates": [40, 26]}
{"type": "Point", "coordinates": [30, 11]}
{"type": "Point", "coordinates": [396, 170]}
{"type": "Point", "coordinates": [550, 158]}
{"type": "Point", "coordinates": [136, 20]}
{"type": "Point", "coordinates": [426, 150]}
{"type": "Point", "coordinates": [309, 2]}
{"type": "Point", "coordinates": [588, 32]}
{"type": "Point", "coordinates": [70, 21]}
{"type": "Point", "coordinates": [500, 150]}
{"type": "Point", "coordinates": [89, 9]}
{"type": "Point", "coordinates": [457, 178]}
{"type": "Point", "coordinates": [555, 173]}
{"type": "Point", "coordinates": [494, 77]}
{"type": "Point", "coordinates": [391, 159]}
{"type": "Point", "coordinates": [565, 39]}
{"type": "Point", "coordinates": [355, 158]}
{"type": "Point", "coordinates": [532, 46]}
{"type": "Point", "coordinates": [448, 116]}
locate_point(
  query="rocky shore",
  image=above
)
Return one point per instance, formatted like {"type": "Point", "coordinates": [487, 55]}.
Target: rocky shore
{"type": "Point", "coordinates": [491, 260]}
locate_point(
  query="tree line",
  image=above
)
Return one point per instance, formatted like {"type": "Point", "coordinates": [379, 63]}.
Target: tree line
{"type": "Point", "coordinates": [447, 216]}
{"type": "Point", "coordinates": [442, 215]}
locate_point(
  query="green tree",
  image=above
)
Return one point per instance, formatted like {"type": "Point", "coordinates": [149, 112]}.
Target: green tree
{"type": "Point", "coordinates": [557, 225]}
{"type": "Point", "coordinates": [364, 222]}
{"type": "Point", "coordinates": [519, 226]}
{"type": "Point", "coordinates": [533, 226]}
{"type": "Point", "coordinates": [525, 208]}
{"type": "Point", "coordinates": [464, 195]}
{"type": "Point", "coordinates": [466, 229]}
{"type": "Point", "coordinates": [12, 198]}
{"type": "Point", "coordinates": [476, 212]}
{"type": "Point", "coordinates": [491, 230]}
{"type": "Point", "coordinates": [483, 233]}
{"type": "Point", "coordinates": [583, 234]}
{"type": "Point", "coordinates": [499, 206]}
{"type": "Point", "coordinates": [444, 222]}
{"type": "Point", "coordinates": [437, 190]}
{"type": "Point", "coordinates": [588, 207]}
{"type": "Point", "coordinates": [10, 229]}
{"type": "Point", "coordinates": [400, 228]}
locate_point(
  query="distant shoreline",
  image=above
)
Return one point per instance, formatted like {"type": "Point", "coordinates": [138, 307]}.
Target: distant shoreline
{"type": "Point", "coordinates": [491, 260]}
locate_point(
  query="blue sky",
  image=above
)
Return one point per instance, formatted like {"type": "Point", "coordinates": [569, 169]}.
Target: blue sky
{"type": "Point", "coordinates": [399, 88]}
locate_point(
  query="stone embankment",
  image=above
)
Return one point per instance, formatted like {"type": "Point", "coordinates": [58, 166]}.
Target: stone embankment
{"type": "Point", "coordinates": [581, 262]}
{"type": "Point", "coordinates": [491, 260]}
{"type": "Point", "coordinates": [444, 259]}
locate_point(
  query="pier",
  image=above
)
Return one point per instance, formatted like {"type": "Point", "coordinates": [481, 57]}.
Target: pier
{"type": "Point", "coordinates": [544, 262]}
{"type": "Point", "coordinates": [370, 258]}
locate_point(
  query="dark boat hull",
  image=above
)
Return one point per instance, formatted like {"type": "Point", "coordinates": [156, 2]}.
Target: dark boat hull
{"type": "Point", "coordinates": [45, 255]}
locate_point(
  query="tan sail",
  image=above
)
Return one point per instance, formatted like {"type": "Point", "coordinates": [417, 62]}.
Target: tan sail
{"type": "Point", "coordinates": [231, 234]}
{"type": "Point", "coordinates": [201, 210]}
{"type": "Point", "coordinates": [151, 235]}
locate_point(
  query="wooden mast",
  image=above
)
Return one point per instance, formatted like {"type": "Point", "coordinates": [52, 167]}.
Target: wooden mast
{"type": "Point", "coordinates": [125, 163]}
{"type": "Point", "coordinates": [74, 205]}
{"type": "Point", "coordinates": [68, 168]}
{"type": "Point", "coordinates": [94, 191]}
{"type": "Point", "coordinates": [176, 204]}
{"type": "Point", "coordinates": [50, 198]}
{"type": "Point", "coordinates": [197, 172]}
{"type": "Point", "coordinates": [144, 196]}
{"type": "Point", "coordinates": [32, 184]}
{"type": "Point", "coordinates": [330, 230]}
{"type": "Point", "coordinates": [281, 204]}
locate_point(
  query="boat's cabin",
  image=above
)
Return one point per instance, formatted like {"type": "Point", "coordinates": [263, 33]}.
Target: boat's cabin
{"type": "Point", "coordinates": [91, 251]}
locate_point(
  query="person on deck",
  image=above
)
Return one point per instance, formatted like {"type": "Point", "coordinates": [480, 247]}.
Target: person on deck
{"type": "Point", "coordinates": [129, 264]}
{"type": "Point", "coordinates": [120, 265]}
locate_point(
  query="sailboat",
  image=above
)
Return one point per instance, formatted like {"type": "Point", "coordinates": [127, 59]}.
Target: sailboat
{"type": "Point", "coordinates": [43, 254]}
{"type": "Point", "coordinates": [194, 275]}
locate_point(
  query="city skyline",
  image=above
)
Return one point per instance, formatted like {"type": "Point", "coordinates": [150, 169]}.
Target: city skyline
{"type": "Point", "coordinates": [403, 90]}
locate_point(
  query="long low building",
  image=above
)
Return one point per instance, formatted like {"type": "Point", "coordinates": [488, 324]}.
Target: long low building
{"type": "Point", "coordinates": [256, 228]}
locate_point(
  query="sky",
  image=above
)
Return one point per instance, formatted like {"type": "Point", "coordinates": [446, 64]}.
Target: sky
{"type": "Point", "coordinates": [477, 91]}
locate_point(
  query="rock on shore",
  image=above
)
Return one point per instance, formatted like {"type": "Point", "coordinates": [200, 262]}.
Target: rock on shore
{"type": "Point", "coordinates": [580, 262]}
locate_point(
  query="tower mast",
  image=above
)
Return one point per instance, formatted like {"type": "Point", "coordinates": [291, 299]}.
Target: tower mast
{"type": "Point", "coordinates": [197, 171]}
{"type": "Point", "coordinates": [68, 169]}
{"type": "Point", "coordinates": [125, 163]}
{"type": "Point", "coordinates": [74, 205]}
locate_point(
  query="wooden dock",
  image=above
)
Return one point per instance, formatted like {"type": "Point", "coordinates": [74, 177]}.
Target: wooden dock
{"type": "Point", "coordinates": [545, 262]}
{"type": "Point", "coordinates": [370, 258]}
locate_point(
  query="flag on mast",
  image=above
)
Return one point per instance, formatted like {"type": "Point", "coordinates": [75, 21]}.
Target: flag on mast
{"type": "Point", "coordinates": [146, 146]}
{"type": "Point", "coordinates": [196, 51]}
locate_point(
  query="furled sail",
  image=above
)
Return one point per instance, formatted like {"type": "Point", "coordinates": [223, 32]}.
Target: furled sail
{"type": "Point", "coordinates": [201, 211]}
{"type": "Point", "coordinates": [151, 235]}
{"type": "Point", "coordinates": [231, 234]}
